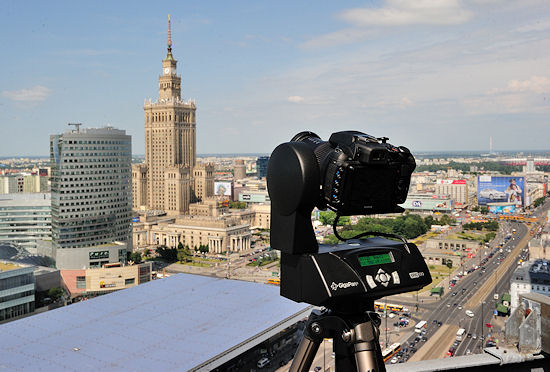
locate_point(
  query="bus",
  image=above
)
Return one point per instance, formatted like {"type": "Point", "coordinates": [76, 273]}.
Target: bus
{"type": "Point", "coordinates": [274, 281]}
{"type": "Point", "coordinates": [460, 334]}
{"type": "Point", "coordinates": [390, 307]}
{"type": "Point", "coordinates": [390, 351]}
{"type": "Point", "coordinates": [422, 324]}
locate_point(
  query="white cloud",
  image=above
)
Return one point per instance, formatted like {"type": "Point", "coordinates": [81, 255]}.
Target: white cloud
{"type": "Point", "coordinates": [295, 99]}
{"type": "Point", "coordinates": [35, 94]}
{"type": "Point", "coordinates": [406, 12]}
{"type": "Point", "coordinates": [366, 22]}
{"type": "Point", "coordinates": [406, 102]}
{"type": "Point", "coordinates": [536, 84]}
{"type": "Point", "coordinates": [345, 36]}
{"type": "Point", "coordinates": [536, 26]}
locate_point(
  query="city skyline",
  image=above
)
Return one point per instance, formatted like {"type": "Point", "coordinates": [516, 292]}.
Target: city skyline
{"type": "Point", "coordinates": [421, 74]}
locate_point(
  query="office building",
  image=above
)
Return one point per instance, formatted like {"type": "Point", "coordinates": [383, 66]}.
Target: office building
{"type": "Point", "coordinates": [16, 290]}
{"type": "Point", "coordinates": [239, 170]}
{"type": "Point", "coordinates": [91, 197]}
{"type": "Point", "coordinates": [170, 179]}
{"type": "Point", "coordinates": [112, 277]}
{"type": "Point", "coordinates": [24, 219]}
{"type": "Point", "coordinates": [261, 166]}
{"type": "Point", "coordinates": [457, 190]}
{"type": "Point", "coordinates": [531, 276]}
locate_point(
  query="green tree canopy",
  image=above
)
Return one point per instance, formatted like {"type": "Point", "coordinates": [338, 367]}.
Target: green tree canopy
{"type": "Point", "coordinates": [136, 257]}
{"type": "Point", "coordinates": [55, 293]}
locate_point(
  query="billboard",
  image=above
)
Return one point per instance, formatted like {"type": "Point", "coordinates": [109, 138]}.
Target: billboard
{"type": "Point", "coordinates": [499, 189]}
{"type": "Point", "coordinates": [451, 182]}
{"type": "Point", "coordinates": [427, 203]}
{"type": "Point", "coordinates": [223, 188]}
{"type": "Point", "coordinates": [502, 209]}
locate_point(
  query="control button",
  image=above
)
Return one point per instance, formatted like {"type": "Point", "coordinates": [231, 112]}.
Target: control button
{"type": "Point", "coordinates": [395, 276]}
{"type": "Point", "coordinates": [370, 281]}
{"type": "Point", "coordinates": [382, 278]}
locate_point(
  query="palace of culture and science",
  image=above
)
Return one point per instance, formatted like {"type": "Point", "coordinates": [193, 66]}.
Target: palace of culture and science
{"type": "Point", "coordinates": [170, 179]}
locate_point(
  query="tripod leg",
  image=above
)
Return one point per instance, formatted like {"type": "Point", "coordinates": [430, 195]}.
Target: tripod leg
{"type": "Point", "coordinates": [305, 354]}
{"type": "Point", "coordinates": [367, 353]}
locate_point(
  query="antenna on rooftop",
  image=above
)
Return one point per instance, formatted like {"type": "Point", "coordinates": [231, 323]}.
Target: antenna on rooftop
{"type": "Point", "coordinates": [77, 126]}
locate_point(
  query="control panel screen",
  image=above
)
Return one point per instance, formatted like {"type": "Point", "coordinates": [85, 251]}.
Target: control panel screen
{"type": "Point", "coordinates": [377, 259]}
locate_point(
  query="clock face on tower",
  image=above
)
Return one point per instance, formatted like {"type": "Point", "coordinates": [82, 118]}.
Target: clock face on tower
{"type": "Point", "coordinates": [166, 71]}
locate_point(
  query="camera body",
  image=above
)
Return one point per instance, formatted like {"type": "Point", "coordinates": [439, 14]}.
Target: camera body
{"type": "Point", "coordinates": [360, 174]}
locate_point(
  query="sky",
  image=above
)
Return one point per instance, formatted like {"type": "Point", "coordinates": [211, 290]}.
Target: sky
{"type": "Point", "coordinates": [432, 75]}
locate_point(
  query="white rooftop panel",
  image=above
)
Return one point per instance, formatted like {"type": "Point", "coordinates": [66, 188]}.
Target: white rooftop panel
{"type": "Point", "coordinates": [173, 323]}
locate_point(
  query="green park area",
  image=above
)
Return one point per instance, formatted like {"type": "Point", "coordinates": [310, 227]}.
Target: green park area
{"type": "Point", "coordinates": [438, 273]}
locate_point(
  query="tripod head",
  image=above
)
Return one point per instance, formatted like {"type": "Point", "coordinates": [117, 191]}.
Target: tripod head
{"type": "Point", "coordinates": [353, 173]}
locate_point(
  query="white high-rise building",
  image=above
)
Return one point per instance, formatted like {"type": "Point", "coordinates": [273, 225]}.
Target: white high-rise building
{"type": "Point", "coordinates": [91, 195]}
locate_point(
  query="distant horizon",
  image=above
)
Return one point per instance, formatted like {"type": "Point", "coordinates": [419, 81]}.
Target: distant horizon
{"type": "Point", "coordinates": [415, 153]}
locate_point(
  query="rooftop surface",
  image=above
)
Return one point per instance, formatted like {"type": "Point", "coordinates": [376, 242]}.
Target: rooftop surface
{"type": "Point", "coordinates": [176, 323]}
{"type": "Point", "coordinates": [7, 266]}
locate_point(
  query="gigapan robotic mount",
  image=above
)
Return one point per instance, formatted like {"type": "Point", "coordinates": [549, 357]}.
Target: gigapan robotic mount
{"type": "Point", "coordinates": [353, 174]}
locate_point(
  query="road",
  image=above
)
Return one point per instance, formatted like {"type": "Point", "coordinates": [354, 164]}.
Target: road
{"type": "Point", "coordinates": [469, 294]}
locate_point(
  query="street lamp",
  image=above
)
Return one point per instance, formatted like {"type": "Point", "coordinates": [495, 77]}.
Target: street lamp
{"type": "Point", "coordinates": [482, 338]}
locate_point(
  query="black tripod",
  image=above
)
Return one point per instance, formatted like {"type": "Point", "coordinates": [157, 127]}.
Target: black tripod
{"type": "Point", "coordinates": [355, 341]}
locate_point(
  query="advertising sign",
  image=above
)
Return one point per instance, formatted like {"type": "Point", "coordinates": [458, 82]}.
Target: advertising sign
{"type": "Point", "coordinates": [426, 203]}
{"type": "Point", "coordinates": [498, 189]}
{"type": "Point", "coordinates": [502, 209]}
{"type": "Point", "coordinates": [222, 188]}
{"type": "Point", "coordinates": [451, 182]}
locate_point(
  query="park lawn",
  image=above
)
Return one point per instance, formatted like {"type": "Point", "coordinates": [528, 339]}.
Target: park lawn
{"type": "Point", "coordinates": [438, 273]}
{"type": "Point", "coordinates": [261, 263]}
{"type": "Point", "coordinates": [195, 263]}
{"type": "Point", "coordinates": [422, 238]}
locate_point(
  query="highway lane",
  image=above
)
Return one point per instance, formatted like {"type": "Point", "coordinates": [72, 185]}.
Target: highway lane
{"type": "Point", "coordinates": [451, 308]}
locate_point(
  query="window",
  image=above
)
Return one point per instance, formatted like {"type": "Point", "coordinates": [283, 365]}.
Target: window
{"type": "Point", "coordinates": [80, 282]}
{"type": "Point", "coordinates": [129, 281]}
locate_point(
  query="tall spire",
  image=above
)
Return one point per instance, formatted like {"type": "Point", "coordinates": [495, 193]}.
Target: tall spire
{"type": "Point", "coordinates": [169, 37]}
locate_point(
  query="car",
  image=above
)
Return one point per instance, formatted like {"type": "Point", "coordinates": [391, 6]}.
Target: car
{"type": "Point", "coordinates": [469, 335]}
{"type": "Point", "coordinates": [470, 313]}
{"type": "Point", "coordinates": [454, 293]}
{"type": "Point", "coordinates": [454, 305]}
{"type": "Point", "coordinates": [455, 344]}
{"type": "Point", "coordinates": [448, 305]}
{"type": "Point", "coordinates": [317, 369]}
{"type": "Point", "coordinates": [459, 307]}
{"type": "Point", "coordinates": [474, 336]}
{"type": "Point", "coordinates": [263, 362]}
{"type": "Point", "coordinates": [493, 194]}
{"type": "Point", "coordinates": [439, 324]}
{"type": "Point", "coordinates": [394, 360]}
{"type": "Point", "coordinates": [434, 321]}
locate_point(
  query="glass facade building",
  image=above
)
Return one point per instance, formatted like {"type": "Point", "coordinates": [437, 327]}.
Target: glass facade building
{"type": "Point", "coordinates": [24, 219]}
{"type": "Point", "coordinates": [91, 185]}
{"type": "Point", "coordinates": [16, 292]}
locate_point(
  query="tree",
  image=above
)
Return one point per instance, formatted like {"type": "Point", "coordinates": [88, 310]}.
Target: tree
{"type": "Point", "coordinates": [167, 254]}
{"type": "Point", "coordinates": [180, 245]}
{"type": "Point", "coordinates": [136, 257]}
{"type": "Point", "coordinates": [55, 293]}
{"type": "Point", "coordinates": [449, 264]}
{"type": "Point", "coordinates": [484, 210]}
{"type": "Point", "coordinates": [203, 248]}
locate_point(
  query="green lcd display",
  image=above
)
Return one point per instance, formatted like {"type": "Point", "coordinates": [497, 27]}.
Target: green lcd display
{"type": "Point", "coordinates": [376, 259]}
